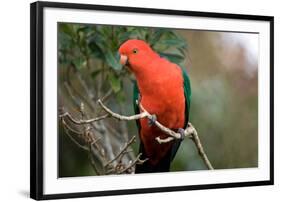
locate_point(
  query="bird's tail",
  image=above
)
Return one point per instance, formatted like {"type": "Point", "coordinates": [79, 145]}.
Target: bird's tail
{"type": "Point", "coordinates": [162, 166]}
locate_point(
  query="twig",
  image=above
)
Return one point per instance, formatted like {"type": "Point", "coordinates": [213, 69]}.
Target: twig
{"type": "Point", "coordinates": [72, 138]}
{"type": "Point", "coordinates": [200, 148]}
{"type": "Point", "coordinates": [121, 117]}
{"type": "Point", "coordinates": [74, 87]}
{"type": "Point", "coordinates": [136, 161]}
{"type": "Point", "coordinates": [80, 122]}
{"type": "Point", "coordinates": [71, 129]}
{"type": "Point", "coordinates": [166, 130]}
{"type": "Point", "coordinates": [84, 85]}
{"type": "Point", "coordinates": [123, 150]}
{"type": "Point", "coordinates": [188, 132]}
{"type": "Point", "coordinates": [144, 114]}
{"type": "Point", "coordinates": [107, 95]}
{"type": "Point", "coordinates": [166, 140]}
{"type": "Point", "coordinates": [70, 93]}
{"type": "Point", "coordinates": [93, 165]}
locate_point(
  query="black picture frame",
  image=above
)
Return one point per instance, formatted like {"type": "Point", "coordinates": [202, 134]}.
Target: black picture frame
{"type": "Point", "coordinates": [37, 99]}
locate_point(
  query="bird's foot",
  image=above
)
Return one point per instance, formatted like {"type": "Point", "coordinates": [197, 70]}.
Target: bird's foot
{"type": "Point", "coordinates": [181, 131]}
{"type": "Point", "coordinates": [152, 120]}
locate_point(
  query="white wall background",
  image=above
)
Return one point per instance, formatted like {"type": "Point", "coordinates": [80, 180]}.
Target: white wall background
{"type": "Point", "coordinates": [14, 101]}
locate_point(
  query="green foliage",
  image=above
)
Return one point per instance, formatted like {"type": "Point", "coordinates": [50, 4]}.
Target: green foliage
{"type": "Point", "coordinates": [115, 82]}
{"type": "Point", "coordinates": [94, 49]}
{"type": "Point", "coordinates": [224, 106]}
{"type": "Point", "coordinates": [78, 44]}
{"type": "Point", "coordinates": [90, 53]}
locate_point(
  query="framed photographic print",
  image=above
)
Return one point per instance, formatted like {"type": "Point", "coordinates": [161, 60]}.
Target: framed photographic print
{"type": "Point", "coordinates": [135, 100]}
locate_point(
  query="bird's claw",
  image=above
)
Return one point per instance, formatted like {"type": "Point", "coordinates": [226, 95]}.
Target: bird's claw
{"type": "Point", "coordinates": [181, 132]}
{"type": "Point", "coordinates": [152, 120]}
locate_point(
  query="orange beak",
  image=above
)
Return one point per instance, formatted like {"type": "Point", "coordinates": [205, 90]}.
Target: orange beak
{"type": "Point", "coordinates": [123, 60]}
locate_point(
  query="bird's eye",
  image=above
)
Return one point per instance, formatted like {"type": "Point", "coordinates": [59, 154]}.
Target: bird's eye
{"type": "Point", "coordinates": [135, 51]}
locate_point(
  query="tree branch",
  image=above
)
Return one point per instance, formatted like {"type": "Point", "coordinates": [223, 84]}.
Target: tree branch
{"type": "Point", "coordinates": [80, 122]}
{"type": "Point", "coordinates": [121, 117]}
{"type": "Point", "coordinates": [123, 150]}
{"type": "Point", "coordinates": [132, 164]}
{"type": "Point", "coordinates": [199, 146]}
{"type": "Point", "coordinates": [189, 132]}
{"type": "Point", "coordinates": [72, 138]}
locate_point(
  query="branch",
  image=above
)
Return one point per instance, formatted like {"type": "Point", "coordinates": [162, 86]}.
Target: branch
{"type": "Point", "coordinates": [80, 122]}
{"type": "Point", "coordinates": [199, 146]}
{"type": "Point", "coordinates": [173, 135]}
{"type": "Point", "coordinates": [124, 150]}
{"type": "Point", "coordinates": [189, 132]}
{"type": "Point", "coordinates": [121, 117]}
{"type": "Point", "coordinates": [72, 138]}
{"type": "Point", "coordinates": [132, 164]}
{"type": "Point", "coordinates": [145, 114]}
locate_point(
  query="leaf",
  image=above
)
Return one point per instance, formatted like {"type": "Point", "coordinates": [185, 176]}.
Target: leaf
{"type": "Point", "coordinates": [79, 62]}
{"type": "Point", "coordinates": [95, 73]}
{"type": "Point", "coordinates": [84, 29]}
{"type": "Point", "coordinates": [135, 35]}
{"type": "Point", "coordinates": [173, 57]}
{"type": "Point", "coordinates": [94, 46]}
{"type": "Point", "coordinates": [121, 97]}
{"type": "Point", "coordinates": [100, 40]}
{"type": "Point", "coordinates": [112, 60]}
{"type": "Point", "coordinates": [157, 35]}
{"type": "Point", "coordinates": [105, 31]}
{"type": "Point", "coordinates": [179, 43]}
{"type": "Point", "coordinates": [124, 37]}
{"type": "Point", "coordinates": [115, 82]}
{"type": "Point", "coordinates": [66, 28]}
{"type": "Point", "coordinates": [65, 41]}
{"type": "Point", "coordinates": [182, 50]}
{"type": "Point", "coordinates": [142, 32]}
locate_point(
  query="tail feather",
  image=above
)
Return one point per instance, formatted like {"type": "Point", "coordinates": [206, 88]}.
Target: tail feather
{"type": "Point", "coordinates": [164, 163]}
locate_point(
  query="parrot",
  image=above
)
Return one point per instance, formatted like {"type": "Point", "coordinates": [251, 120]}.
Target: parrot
{"type": "Point", "coordinates": [163, 89]}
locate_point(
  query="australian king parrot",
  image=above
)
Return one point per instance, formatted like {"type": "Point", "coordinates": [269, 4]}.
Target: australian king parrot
{"type": "Point", "coordinates": [163, 89]}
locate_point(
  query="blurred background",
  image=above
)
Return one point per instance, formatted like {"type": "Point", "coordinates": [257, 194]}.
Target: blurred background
{"type": "Point", "coordinates": [223, 69]}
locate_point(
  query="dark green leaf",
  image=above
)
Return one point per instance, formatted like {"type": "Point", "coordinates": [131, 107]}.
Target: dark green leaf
{"type": "Point", "coordinates": [95, 48]}
{"type": "Point", "coordinates": [105, 31]}
{"type": "Point", "coordinates": [95, 73]}
{"type": "Point", "coordinates": [179, 43]}
{"type": "Point", "coordinates": [173, 57]}
{"type": "Point", "coordinates": [124, 37]}
{"type": "Point", "coordinates": [120, 96]}
{"type": "Point", "coordinates": [112, 60]}
{"type": "Point", "coordinates": [79, 62]}
{"type": "Point", "coordinates": [66, 28]}
{"type": "Point", "coordinates": [182, 50]}
{"type": "Point", "coordinates": [158, 34]}
{"type": "Point", "coordinates": [115, 82]}
{"type": "Point", "coordinates": [84, 29]}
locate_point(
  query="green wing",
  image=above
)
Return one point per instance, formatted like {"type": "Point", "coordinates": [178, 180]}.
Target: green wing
{"type": "Point", "coordinates": [187, 95]}
{"type": "Point", "coordinates": [135, 98]}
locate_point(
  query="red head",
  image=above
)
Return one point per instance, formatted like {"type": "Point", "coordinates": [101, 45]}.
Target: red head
{"type": "Point", "coordinates": [136, 54]}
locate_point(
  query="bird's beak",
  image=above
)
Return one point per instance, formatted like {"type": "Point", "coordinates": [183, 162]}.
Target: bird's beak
{"type": "Point", "coordinates": [123, 60]}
